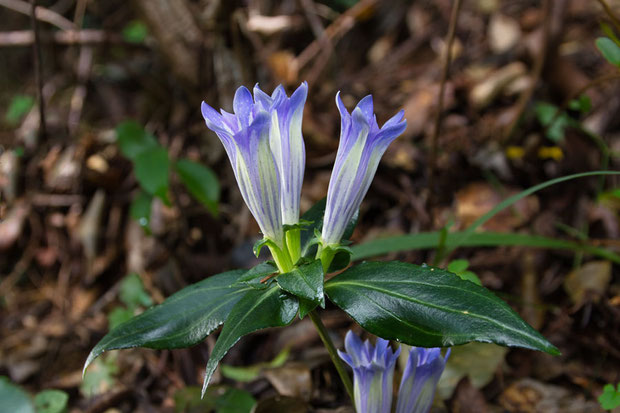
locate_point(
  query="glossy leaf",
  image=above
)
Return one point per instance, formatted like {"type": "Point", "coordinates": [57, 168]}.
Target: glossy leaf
{"type": "Point", "coordinates": [308, 249]}
{"type": "Point", "coordinates": [305, 282]}
{"type": "Point", "coordinates": [428, 307]}
{"type": "Point", "coordinates": [13, 399]}
{"type": "Point", "coordinates": [183, 320]}
{"type": "Point", "coordinates": [254, 276]}
{"type": "Point", "coordinates": [201, 182]}
{"type": "Point", "coordinates": [151, 167]}
{"type": "Point", "coordinates": [133, 139]}
{"type": "Point", "coordinates": [258, 309]}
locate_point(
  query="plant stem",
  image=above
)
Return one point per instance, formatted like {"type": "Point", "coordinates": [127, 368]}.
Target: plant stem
{"type": "Point", "coordinates": [344, 376]}
{"type": "Point", "coordinates": [282, 258]}
{"type": "Point", "coordinates": [293, 244]}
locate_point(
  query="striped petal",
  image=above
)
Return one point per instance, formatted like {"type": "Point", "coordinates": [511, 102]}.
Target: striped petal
{"type": "Point", "coordinates": [362, 144]}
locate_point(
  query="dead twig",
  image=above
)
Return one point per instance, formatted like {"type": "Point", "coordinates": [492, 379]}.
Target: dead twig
{"type": "Point", "coordinates": [38, 68]}
{"type": "Point", "coordinates": [334, 31]}
{"type": "Point", "coordinates": [79, 94]}
{"type": "Point", "coordinates": [610, 13]}
{"type": "Point", "coordinates": [19, 38]}
{"type": "Point", "coordinates": [41, 13]}
{"type": "Point", "coordinates": [447, 59]}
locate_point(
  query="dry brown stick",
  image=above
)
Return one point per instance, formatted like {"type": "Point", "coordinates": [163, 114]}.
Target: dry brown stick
{"type": "Point", "coordinates": [19, 38]}
{"type": "Point", "coordinates": [38, 68]}
{"type": "Point", "coordinates": [610, 13]}
{"type": "Point", "coordinates": [334, 31]}
{"type": "Point", "coordinates": [539, 65]}
{"type": "Point", "coordinates": [84, 66]}
{"type": "Point", "coordinates": [447, 59]}
{"type": "Point", "coordinates": [41, 13]}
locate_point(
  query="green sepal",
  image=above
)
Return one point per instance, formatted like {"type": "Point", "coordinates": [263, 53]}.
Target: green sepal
{"type": "Point", "coordinates": [258, 245]}
{"type": "Point", "coordinates": [305, 282]}
{"type": "Point", "coordinates": [256, 310]}
{"type": "Point", "coordinates": [302, 224]}
{"type": "Point", "coordinates": [310, 233]}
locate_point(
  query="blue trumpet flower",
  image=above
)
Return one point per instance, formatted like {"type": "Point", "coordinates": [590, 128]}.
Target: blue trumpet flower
{"type": "Point", "coordinates": [417, 387]}
{"type": "Point", "coordinates": [373, 373]}
{"type": "Point", "coordinates": [362, 144]}
{"type": "Point", "coordinates": [245, 136]}
{"type": "Point", "coordinates": [287, 144]}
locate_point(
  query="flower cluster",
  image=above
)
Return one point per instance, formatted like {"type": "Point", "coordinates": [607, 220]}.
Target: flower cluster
{"type": "Point", "coordinates": [373, 372]}
{"type": "Point", "coordinates": [263, 139]}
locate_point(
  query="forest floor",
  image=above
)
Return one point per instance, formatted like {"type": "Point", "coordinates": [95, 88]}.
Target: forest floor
{"type": "Point", "coordinates": [528, 97]}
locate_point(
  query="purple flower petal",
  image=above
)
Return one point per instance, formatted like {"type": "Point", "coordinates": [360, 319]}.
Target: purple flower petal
{"type": "Point", "coordinates": [361, 147]}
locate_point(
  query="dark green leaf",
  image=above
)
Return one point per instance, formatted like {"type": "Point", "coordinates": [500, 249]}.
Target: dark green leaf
{"type": "Point", "coordinates": [132, 292]}
{"type": "Point", "coordinates": [258, 309]}
{"type": "Point", "coordinates": [151, 167]}
{"type": "Point", "coordinates": [308, 249]}
{"type": "Point", "coordinates": [201, 182]}
{"type": "Point", "coordinates": [140, 210]}
{"type": "Point", "coordinates": [305, 306]}
{"type": "Point", "coordinates": [20, 105]}
{"type": "Point", "coordinates": [13, 399]}
{"type": "Point", "coordinates": [51, 401]}
{"type": "Point", "coordinates": [609, 49]}
{"type": "Point", "coordinates": [133, 139]}
{"type": "Point", "coordinates": [428, 307]}
{"type": "Point", "coordinates": [254, 276]}
{"type": "Point", "coordinates": [183, 320]}
{"type": "Point", "coordinates": [135, 32]}
{"type": "Point", "coordinates": [305, 281]}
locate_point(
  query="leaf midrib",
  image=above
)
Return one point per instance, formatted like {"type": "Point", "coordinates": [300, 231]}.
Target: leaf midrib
{"type": "Point", "coordinates": [109, 344]}
{"type": "Point", "coordinates": [506, 311]}
{"type": "Point", "coordinates": [447, 309]}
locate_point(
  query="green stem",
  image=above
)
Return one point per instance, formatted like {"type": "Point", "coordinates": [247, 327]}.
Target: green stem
{"type": "Point", "coordinates": [282, 259]}
{"type": "Point", "coordinates": [293, 244]}
{"type": "Point", "coordinates": [342, 372]}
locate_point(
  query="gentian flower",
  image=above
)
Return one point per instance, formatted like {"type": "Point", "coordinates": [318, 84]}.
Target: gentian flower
{"type": "Point", "coordinates": [245, 136]}
{"type": "Point", "coordinates": [417, 387]}
{"type": "Point", "coordinates": [287, 146]}
{"type": "Point", "coordinates": [373, 373]}
{"type": "Point", "coordinates": [362, 144]}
